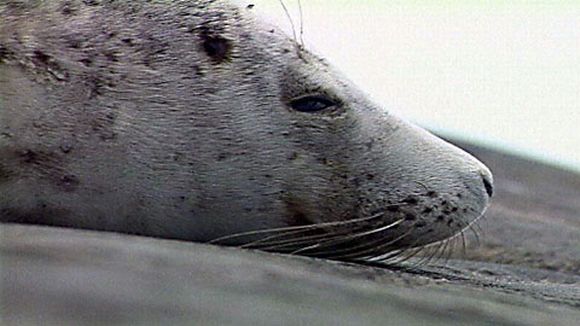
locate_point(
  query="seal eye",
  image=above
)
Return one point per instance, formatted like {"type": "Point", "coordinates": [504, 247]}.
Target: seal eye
{"type": "Point", "coordinates": [312, 103]}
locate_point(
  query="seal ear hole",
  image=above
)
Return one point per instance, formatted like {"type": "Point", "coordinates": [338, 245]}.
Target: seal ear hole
{"type": "Point", "coordinates": [312, 103]}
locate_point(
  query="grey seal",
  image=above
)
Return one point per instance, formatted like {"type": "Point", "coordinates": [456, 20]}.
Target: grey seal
{"type": "Point", "coordinates": [193, 120]}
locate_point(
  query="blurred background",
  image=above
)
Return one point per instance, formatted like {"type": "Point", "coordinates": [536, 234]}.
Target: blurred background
{"type": "Point", "coordinates": [505, 74]}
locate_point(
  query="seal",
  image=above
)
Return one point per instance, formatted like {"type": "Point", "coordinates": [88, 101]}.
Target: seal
{"type": "Point", "coordinates": [193, 120]}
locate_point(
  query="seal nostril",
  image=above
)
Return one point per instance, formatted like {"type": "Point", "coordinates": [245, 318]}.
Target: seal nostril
{"type": "Point", "coordinates": [488, 185]}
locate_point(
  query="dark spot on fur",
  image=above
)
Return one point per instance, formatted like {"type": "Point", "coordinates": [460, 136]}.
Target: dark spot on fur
{"type": "Point", "coordinates": [370, 144]}
{"type": "Point", "coordinates": [443, 203]}
{"type": "Point", "coordinates": [222, 157]}
{"type": "Point", "coordinates": [106, 136]}
{"type": "Point", "coordinates": [66, 148]}
{"type": "Point", "coordinates": [3, 53]}
{"type": "Point", "coordinates": [111, 56]}
{"type": "Point", "coordinates": [420, 224]}
{"type": "Point", "coordinates": [74, 43]}
{"type": "Point", "coordinates": [370, 176]}
{"type": "Point", "coordinates": [427, 210]}
{"type": "Point", "coordinates": [410, 217]}
{"type": "Point", "coordinates": [411, 200]}
{"type": "Point", "coordinates": [450, 222]}
{"type": "Point", "coordinates": [250, 6]}
{"type": "Point", "coordinates": [216, 47]}
{"type": "Point", "coordinates": [128, 41]}
{"type": "Point", "coordinates": [67, 9]}
{"type": "Point", "coordinates": [293, 156]}
{"type": "Point", "coordinates": [91, 3]}
{"type": "Point", "coordinates": [459, 195]}
{"type": "Point", "coordinates": [87, 62]}
{"type": "Point", "coordinates": [69, 183]}
{"type": "Point", "coordinates": [454, 209]}
{"type": "Point", "coordinates": [198, 71]}
{"type": "Point", "coordinates": [28, 156]}
{"type": "Point", "coordinates": [45, 61]}
{"type": "Point", "coordinates": [41, 57]}
{"type": "Point", "coordinates": [393, 209]}
{"type": "Point", "coordinates": [432, 194]}
{"type": "Point", "coordinates": [440, 218]}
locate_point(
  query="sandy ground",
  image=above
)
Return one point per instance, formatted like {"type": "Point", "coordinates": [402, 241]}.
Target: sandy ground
{"type": "Point", "coordinates": [525, 271]}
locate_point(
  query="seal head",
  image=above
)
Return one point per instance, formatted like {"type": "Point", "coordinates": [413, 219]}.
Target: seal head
{"type": "Point", "coordinates": [192, 120]}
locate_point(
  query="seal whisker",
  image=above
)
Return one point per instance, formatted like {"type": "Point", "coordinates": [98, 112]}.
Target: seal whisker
{"type": "Point", "coordinates": [431, 253]}
{"type": "Point", "coordinates": [469, 227]}
{"type": "Point", "coordinates": [303, 240]}
{"type": "Point", "coordinates": [443, 245]}
{"type": "Point", "coordinates": [475, 229]}
{"type": "Point", "coordinates": [349, 238]}
{"type": "Point", "coordinates": [275, 238]}
{"type": "Point", "coordinates": [412, 251]}
{"type": "Point", "coordinates": [447, 250]}
{"type": "Point", "coordinates": [397, 256]}
{"type": "Point", "coordinates": [293, 228]}
{"type": "Point", "coordinates": [272, 242]}
{"type": "Point", "coordinates": [287, 12]}
{"type": "Point", "coordinates": [301, 23]}
{"type": "Point", "coordinates": [329, 235]}
{"type": "Point", "coordinates": [423, 255]}
{"type": "Point", "coordinates": [407, 255]}
{"type": "Point", "coordinates": [375, 247]}
{"type": "Point", "coordinates": [440, 251]}
{"type": "Point", "coordinates": [452, 248]}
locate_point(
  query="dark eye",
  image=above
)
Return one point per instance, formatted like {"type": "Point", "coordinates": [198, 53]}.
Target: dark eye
{"type": "Point", "coordinates": [312, 103]}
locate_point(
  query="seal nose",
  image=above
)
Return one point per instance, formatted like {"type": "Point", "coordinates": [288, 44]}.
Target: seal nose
{"type": "Point", "coordinates": [487, 183]}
